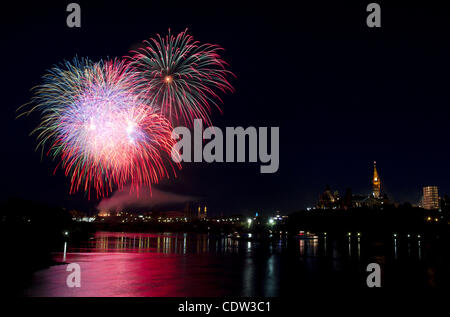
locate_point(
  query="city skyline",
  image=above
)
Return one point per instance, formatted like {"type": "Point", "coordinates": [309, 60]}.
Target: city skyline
{"type": "Point", "coordinates": [330, 199]}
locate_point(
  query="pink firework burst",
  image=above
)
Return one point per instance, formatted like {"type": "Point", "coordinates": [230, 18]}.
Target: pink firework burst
{"type": "Point", "coordinates": [105, 133]}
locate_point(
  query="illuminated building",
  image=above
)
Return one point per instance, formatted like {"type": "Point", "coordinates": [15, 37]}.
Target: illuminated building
{"type": "Point", "coordinates": [376, 183]}
{"type": "Point", "coordinates": [430, 197]}
{"type": "Point", "coordinates": [376, 199]}
{"type": "Point", "coordinates": [329, 200]}
{"type": "Point", "coordinates": [195, 210]}
{"type": "Point", "coordinates": [202, 212]}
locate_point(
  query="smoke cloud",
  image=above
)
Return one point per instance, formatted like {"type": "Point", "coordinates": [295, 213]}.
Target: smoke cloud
{"type": "Point", "coordinates": [157, 198]}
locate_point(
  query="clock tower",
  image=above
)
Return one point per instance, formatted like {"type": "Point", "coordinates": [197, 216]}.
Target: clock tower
{"type": "Point", "coordinates": [376, 183]}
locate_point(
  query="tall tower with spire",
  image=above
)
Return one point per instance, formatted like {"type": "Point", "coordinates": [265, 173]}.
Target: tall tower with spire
{"type": "Point", "coordinates": [376, 183]}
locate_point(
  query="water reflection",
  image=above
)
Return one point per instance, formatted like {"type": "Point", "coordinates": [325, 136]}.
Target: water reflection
{"type": "Point", "coordinates": [419, 250]}
{"type": "Point", "coordinates": [314, 246]}
{"type": "Point", "coordinates": [395, 249]}
{"type": "Point", "coordinates": [65, 252]}
{"type": "Point", "coordinates": [167, 243]}
{"type": "Point", "coordinates": [302, 247]}
{"type": "Point", "coordinates": [354, 248]}
{"type": "Point", "coordinates": [349, 246]}
{"type": "Point", "coordinates": [359, 248]}
{"type": "Point", "coordinates": [180, 264]}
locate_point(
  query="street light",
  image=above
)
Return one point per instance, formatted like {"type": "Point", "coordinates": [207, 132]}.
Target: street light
{"type": "Point", "coordinates": [271, 221]}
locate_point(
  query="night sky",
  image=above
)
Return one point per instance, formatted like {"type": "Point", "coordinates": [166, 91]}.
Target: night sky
{"type": "Point", "coordinates": [342, 94]}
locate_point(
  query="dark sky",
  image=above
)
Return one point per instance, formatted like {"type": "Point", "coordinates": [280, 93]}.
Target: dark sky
{"type": "Point", "coordinates": [342, 94]}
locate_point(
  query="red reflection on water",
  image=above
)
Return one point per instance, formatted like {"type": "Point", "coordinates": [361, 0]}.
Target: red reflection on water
{"type": "Point", "coordinates": [131, 274]}
{"type": "Point", "coordinates": [129, 264]}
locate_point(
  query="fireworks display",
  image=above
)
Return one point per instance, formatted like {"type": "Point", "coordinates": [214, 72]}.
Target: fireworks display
{"type": "Point", "coordinates": [110, 122]}
{"type": "Point", "coordinates": [181, 76]}
{"type": "Point", "coordinates": [105, 134]}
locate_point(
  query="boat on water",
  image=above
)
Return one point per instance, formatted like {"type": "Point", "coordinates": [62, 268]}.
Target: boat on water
{"type": "Point", "coordinates": [307, 235]}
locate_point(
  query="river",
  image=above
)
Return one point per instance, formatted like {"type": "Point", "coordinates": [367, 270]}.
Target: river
{"type": "Point", "coordinates": [181, 264]}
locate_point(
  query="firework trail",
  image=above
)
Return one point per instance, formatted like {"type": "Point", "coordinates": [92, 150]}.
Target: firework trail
{"type": "Point", "coordinates": [180, 76]}
{"type": "Point", "coordinates": [105, 134]}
